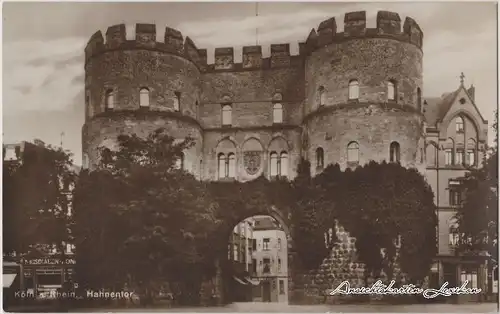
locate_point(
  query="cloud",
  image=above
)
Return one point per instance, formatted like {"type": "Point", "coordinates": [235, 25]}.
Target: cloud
{"type": "Point", "coordinates": [44, 75]}
{"type": "Point", "coordinates": [41, 75]}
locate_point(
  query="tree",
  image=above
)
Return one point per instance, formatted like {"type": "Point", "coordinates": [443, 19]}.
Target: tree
{"type": "Point", "coordinates": [36, 209]}
{"type": "Point", "coordinates": [156, 218]}
{"type": "Point", "coordinates": [308, 218]}
{"type": "Point", "coordinates": [380, 204]}
{"type": "Point", "coordinates": [477, 217]}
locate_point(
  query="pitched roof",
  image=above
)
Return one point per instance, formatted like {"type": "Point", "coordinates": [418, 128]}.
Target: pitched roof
{"type": "Point", "coordinates": [437, 107]}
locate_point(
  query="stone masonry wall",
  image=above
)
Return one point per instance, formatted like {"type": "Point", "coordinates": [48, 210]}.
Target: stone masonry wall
{"type": "Point", "coordinates": [103, 131]}
{"type": "Point", "coordinates": [341, 265]}
{"type": "Point", "coordinates": [373, 127]}
{"type": "Point", "coordinates": [373, 62]}
{"type": "Point", "coordinates": [264, 140]}
{"type": "Point", "coordinates": [126, 72]}
{"type": "Point", "coordinates": [252, 93]}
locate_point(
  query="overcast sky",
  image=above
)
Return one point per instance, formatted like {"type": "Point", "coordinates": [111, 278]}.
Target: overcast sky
{"type": "Point", "coordinates": [43, 47]}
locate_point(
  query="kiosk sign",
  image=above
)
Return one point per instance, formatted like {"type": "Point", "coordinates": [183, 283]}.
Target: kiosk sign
{"type": "Point", "coordinates": [48, 261]}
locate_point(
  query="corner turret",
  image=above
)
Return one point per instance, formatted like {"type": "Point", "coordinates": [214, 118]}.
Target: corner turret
{"type": "Point", "coordinates": [145, 38]}
{"type": "Point", "coordinates": [388, 25]}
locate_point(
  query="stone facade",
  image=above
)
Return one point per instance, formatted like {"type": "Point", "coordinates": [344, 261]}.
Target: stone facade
{"type": "Point", "coordinates": [186, 95]}
{"type": "Point", "coordinates": [348, 97]}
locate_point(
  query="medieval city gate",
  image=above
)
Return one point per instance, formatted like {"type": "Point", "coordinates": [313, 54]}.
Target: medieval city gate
{"type": "Point", "coordinates": [232, 218]}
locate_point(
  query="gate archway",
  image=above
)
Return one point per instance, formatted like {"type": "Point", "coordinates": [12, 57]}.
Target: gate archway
{"type": "Point", "coordinates": [239, 201]}
{"type": "Point", "coordinates": [247, 248]}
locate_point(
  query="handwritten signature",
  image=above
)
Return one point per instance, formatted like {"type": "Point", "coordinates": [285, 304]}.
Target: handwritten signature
{"type": "Point", "coordinates": [378, 288]}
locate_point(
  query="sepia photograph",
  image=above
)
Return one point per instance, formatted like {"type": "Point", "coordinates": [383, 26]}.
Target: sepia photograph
{"type": "Point", "coordinates": [306, 157]}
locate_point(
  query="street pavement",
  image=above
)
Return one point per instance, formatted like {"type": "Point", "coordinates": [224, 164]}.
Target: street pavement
{"type": "Point", "coordinates": [285, 308]}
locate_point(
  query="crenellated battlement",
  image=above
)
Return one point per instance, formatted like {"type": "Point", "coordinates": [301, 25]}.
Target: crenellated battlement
{"type": "Point", "coordinates": [145, 38]}
{"type": "Point", "coordinates": [388, 26]}
{"type": "Point", "coordinates": [252, 58]}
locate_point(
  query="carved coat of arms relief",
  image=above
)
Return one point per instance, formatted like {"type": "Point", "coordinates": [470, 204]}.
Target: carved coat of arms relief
{"type": "Point", "coordinates": [252, 161]}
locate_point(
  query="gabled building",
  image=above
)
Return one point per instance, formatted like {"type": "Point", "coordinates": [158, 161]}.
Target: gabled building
{"type": "Point", "coordinates": [456, 136]}
{"type": "Point", "coordinates": [270, 261]}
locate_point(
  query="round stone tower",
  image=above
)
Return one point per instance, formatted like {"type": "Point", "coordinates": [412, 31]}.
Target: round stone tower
{"type": "Point", "coordinates": [363, 92]}
{"type": "Point", "coordinates": [137, 86]}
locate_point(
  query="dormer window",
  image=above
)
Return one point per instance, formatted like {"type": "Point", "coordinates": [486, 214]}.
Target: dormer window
{"type": "Point", "coordinates": [353, 90]}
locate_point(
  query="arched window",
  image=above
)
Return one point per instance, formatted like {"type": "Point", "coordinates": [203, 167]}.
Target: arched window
{"type": "Point", "coordinates": [471, 152]}
{"type": "Point", "coordinates": [419, 99]}
{"type": "Point", "coordinates": [231, 166]}
{"type": "Point", "coordinates": [277, 113]}
{"type": "Point", "coordinates": [222, 165]}
{"type": "Point", "coordinates": [85, 161]}
{"type": "Point", "coordinates": [353, 90]}
{"type": "Point", "coordinates": [322, 96]}
{"type": "Point", "coordinates": [144, 97]}
{"type": "Point", "coordinates": [110, 99]}
{"type": "Point", "coordinates": [431, 154]}
{"type": "Point", "coordinates": [279, 164]}
{"type": "Point", "coordinates": [177, 101]}
{"type": "Point", "coordinates": [449, 152]}
{"type": "Point", "coordinates": [353, 152]}
{"type": "Point", "coordinates": [448, 156]}
{"type": "Point", "coordinates": [227, 165]}
{"type": "Point", "coordinates": [459, 124]}
{"type": "Point", "coordinates": [320, 161]}
{"type": "Point", "coordinates": [460, 156]}
{"type": "Point", "coordinates": [226, 114]}
{"type": "Point", "coordinates": [454, 236]}
{"type": "Point", "coordinates": [391, 90]}
{"type": "Point", "coordinates": [284, 164]}
{"type": "Point", "coordinates": [394, 152]}
{"type": "Point", "coordinates": [274, 164]}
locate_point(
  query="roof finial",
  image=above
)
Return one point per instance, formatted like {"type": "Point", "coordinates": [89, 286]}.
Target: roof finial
{"type": "Point", "coordinates": [462, 76]}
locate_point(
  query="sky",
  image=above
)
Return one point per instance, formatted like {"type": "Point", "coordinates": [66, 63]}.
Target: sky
{"type": "Point", "coordinates": [43, 45]}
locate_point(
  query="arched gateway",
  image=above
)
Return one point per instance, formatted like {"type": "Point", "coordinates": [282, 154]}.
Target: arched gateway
{"type": "Point", "coordinates": [226, 277]}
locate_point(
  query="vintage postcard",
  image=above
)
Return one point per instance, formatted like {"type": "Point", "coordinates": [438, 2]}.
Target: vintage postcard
{"type": "Point", "coordinates": [323, 157]}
